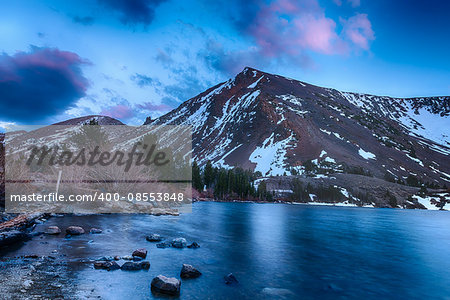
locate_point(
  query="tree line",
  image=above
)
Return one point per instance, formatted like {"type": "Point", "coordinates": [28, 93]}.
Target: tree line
{"type": "Point", "coordinates": [233, 183]}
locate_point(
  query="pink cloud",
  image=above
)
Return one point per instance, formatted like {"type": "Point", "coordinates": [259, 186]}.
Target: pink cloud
{"type": "Point", "coordinates": [119, 111]}
{"type": "Point", "coordinates": [154, 107]}
{"type": "Point", "coordinates": [358, 30]}
{"type": "Point", "coordinates": [288, 27]}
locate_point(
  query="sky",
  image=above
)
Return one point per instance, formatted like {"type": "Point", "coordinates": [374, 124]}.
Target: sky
{"type": "Point", "coordinates": [130, 59]}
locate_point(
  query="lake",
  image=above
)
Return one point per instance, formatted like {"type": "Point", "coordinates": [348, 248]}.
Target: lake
{"type": "Point", "coordinates": [276, 251]}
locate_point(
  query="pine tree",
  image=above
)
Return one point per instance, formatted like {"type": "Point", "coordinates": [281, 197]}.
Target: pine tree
{"type": "Point", "coordinates": [208, 174]}
{"type": "Point", "coordinates": [196, 177]}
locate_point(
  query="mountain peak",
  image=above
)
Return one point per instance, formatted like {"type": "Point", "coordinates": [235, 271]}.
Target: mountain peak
{"type": "Point", "coordinates": [250, 72]}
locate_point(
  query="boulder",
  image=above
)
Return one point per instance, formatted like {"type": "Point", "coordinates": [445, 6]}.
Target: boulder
{"type": "Point", "coordinates": [230, 279]}
{"type": "Point", "coordinates": [166, 285]}
{"type": "Point", "coordinates": [106, 258]}
{"type": "Point", "coordinates": [95, 231]}
{"type": "Point", "coordinates": [163, 245]}
{"type": "Point", "coordinates": [145, 265]}
{"type": "Point", "coordinates": [106, 265]}
{"type": "Point", "coordinates": [179, 243]}
{"type": "Point", "coordinates": [154, 238]}
{"type": "Point", "coordinates": [136, 266]}
{"type": "Point", "coordinates": [74, 230]}
{"type": "Point", "coordinates": [188, 271]}
{"type": "Point", "coordinates": [194, 245]}
{"type": "Point", "coordinates": [11, 237]}
{"type": "Point", "coordinates": [131, 266]}
{"type": "Point", "coordinates": [142, 253]}
{"type": "Point", "coordinates": [127, 257]}
{"type": "Point", "coordinates": [53, 230]}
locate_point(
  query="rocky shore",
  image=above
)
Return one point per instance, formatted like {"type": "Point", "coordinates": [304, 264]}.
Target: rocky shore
{"type": "Point", "coordinates": [35, 276]}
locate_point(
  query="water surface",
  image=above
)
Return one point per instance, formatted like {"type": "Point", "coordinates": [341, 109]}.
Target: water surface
{"type": "Point", "coordinates": [293, 251]}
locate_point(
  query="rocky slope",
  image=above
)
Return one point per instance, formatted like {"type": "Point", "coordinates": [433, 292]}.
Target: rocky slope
{"type": "Point", "coordinates": [277, 126]}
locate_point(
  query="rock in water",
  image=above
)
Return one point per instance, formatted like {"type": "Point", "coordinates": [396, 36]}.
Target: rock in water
{"type": "Point", "coordinates": [165, 285]}
{"type": "Point", "coordinates": [11, 237]}
{"type": "Point", "coordinates": [106, 258]}
{"type": "Point", "coordinates": [188, 271]}
{"type": "Point", "coordinates": [106, 265]}
{"type": "Point", "coordinates": [53, 230]}
{"type": "Point", "coordinates": [154, 238]}
{"type": "Point", "coordinates": [194, 245]}
{"type": "Point", "coordinates": [163, 245]}
{"type": "Point", "coordinates": [179, 243]}
{"type": "Point", "coordinates": [95, 231]}
{"type": "Point", "coordinates": [230, 279]}
{"type": "Point", "coordinates": [142, 253]}
{"type": "Point", "coordinates": [131, 266]}
{"type": "Point", "coordinates": [145, 265]}
{"type": "Point", "coordinates": [74, 230]}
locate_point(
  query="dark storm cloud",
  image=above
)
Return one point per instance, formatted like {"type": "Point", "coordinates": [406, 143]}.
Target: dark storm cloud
{"type": "Point", "coordinates": [41, 83]}
{"type": "Point", "coordinates": [87, 21]}
{"type": "Point", "coordinates": [134, 11]}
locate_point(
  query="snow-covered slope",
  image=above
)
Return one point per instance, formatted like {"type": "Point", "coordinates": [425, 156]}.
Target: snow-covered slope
{"type": "Point", "coordinates": [277, 125]}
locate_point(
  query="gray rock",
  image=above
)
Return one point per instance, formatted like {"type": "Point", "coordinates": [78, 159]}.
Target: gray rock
{"type": "Point", "coordinates": [179, 243]}
{"type": "Point", "coordinates": [188, 271]}
{"type": "Point", "coordinates": [53, 230]}
{"type": "Point", "coordinates": [106, 265]}
{"type": "Point", "coordinates": [74, 230]}
{"type": "Point", "coordinates": [131, 266]}
{"type": "Point", "coordinates": [136, 266]}
{"type": "Point", "coordinates": [163, 245]}
{"type": "Point", "coordinates": [154, 238]}
{"type": "Point", "coordinates": [194, 245]}
{"type": "Point", "coordinates": [145, 265]}
{"type": "Point", "coordinates": [230, 279]}
{"type": "Point", "coordinates": [166, 285]}
{"type": "Point", "coordinates": [106, 258]}
{"type": "Point", "coordinates": [95, 231]}
{"type": "Point", "coordinates": [11, 237]}
{"type": "Point", "coordinates": [142, 253]}
{"type": "Point", "coordinates": [127, 257]}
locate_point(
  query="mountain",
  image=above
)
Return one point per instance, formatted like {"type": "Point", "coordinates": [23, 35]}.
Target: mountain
{"type": "Point", "coordinates": [98, 119]}
{"type": "Point", "coordinates": [277, 125]}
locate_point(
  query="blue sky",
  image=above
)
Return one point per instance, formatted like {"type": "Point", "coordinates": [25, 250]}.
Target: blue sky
{"type": "Point", "coordinates": [139, 58]}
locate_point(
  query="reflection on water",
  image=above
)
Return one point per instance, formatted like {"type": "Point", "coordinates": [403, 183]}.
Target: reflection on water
{"type": "Point", "coordinates": [290, 251]}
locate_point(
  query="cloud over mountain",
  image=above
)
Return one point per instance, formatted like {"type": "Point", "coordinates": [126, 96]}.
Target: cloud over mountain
{"type": "Point", "coordinates": [134, 12]}
{"type": "Point", "coordinates": [40, 83]}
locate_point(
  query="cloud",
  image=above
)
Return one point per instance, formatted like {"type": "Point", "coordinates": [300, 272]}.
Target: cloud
{"type": "Point", "coordinates": [154, 107]}
{"type": "Point", "coordinates": [144, 80]}
{"type": "Point", "coordinates": [358, 30]}
{"type": "Point", "coordinates": [287, 32]}
{"type": "Point", "coordinates": [41, 83]}
{"type": "Point", "coordinates": [133, 12]}
{"type": "Point", "coordinates": [355, 3]}
{"type": "Point", "coordinates": [119, 111]}
{"type": "Point", "coordinates": [87, 21]}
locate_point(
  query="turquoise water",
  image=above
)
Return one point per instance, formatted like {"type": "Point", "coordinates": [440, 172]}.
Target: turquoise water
{"type": "Point", "coordinates": [275, 251]}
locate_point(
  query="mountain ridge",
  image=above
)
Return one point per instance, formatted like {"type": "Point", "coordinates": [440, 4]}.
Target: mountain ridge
{"type": "Point", "coordinates": [257, 115]}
